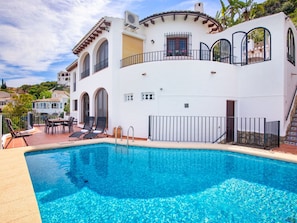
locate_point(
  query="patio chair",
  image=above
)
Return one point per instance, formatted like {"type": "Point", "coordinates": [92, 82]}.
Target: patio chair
{"type": "Point", "coordinates": [15, 134]}
{"type": "Point", "coordinates": [99, 129]}
{"type": "Point", "coordinates": [86, 128]}
{"type": "Point", "coordinates": [48, 126]}
{"type": "Point", "coordinates": [68, 124]}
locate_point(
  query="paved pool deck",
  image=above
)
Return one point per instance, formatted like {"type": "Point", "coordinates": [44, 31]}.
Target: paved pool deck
{"type": "Point", "coordinates": [17, 198]}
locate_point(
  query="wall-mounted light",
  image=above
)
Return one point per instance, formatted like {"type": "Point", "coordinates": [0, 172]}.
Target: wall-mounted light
{"type": "Point", "coordinates": [143, 74]}
{"type": "Point", "coordinates": [152, 41]}
{"type": "Point", "coordinates": [106, 28]}
{"type": "Point", "coordinates": [213, 72]}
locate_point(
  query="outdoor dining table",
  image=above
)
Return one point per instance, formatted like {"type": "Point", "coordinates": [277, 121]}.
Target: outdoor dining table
{"type": "Point", "coordinates": [54, 121]}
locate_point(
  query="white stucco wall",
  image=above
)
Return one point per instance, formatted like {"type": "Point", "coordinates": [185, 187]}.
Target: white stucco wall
{"type": "Point", "coordinates": [259, 90]}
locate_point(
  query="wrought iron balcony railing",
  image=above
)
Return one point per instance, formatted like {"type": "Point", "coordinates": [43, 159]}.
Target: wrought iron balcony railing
{"type": "Point", "coordinates": [101, 65]}
{"type": "Point", "coordinates": [165, 56]}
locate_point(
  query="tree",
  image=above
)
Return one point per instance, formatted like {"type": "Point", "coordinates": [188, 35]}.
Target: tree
{"type": "Point", "coordinates": [45, 94]}
{"type": "Point", "coordinates": [288, 8]}
{"type": "Point", "coordinates": [67, 107]}
{"type": "Point", "coordinates": [237, 11]}
{"type": "Point", "coordinates": [3, 85]}
{"type": "Point", "coordinates": [20, 105]}
{"type": "Point", "coordinates": [231, 14]}
{"type": "Point", "coordinates": [36, 89]}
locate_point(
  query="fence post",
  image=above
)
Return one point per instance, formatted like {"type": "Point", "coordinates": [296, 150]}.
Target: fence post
{"type": "Point", "coordinates": [265, 137]}
{"type": "Point", "coordinates": [149, 127]}
{"type": "Point", "coordinates": [278, 133]}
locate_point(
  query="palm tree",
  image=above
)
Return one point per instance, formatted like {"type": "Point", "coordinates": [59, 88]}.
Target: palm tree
{"type": "Point", "coordinates": [231, 14]}
{"type": "Point", "coordinates": [221, 15]}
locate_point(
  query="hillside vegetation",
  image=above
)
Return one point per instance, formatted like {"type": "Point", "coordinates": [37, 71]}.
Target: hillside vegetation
{"type": "Point", "coordinates": [235, 11]}
{"type": "Point", "coordinates": [42, 90]}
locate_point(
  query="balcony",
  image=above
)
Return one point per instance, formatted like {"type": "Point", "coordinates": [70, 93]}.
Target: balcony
{"type": "Point", "coordinates": [165, 56]}
{"type": "Point", "coordinates": [101, 65]}
{"type": "Point", "coordinates": [85, 73]}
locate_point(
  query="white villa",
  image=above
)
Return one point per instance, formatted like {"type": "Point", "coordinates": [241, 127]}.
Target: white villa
{"type": "Point", "coordinates": [53, 105]}
{"type": "Point", "coordinates": [183, 64]}
{"type": "Point", "coordinates": [5, 98]}
{"type": "Point", "coordinates": [63, 78]}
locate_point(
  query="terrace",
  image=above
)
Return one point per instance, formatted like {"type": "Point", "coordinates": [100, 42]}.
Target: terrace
{"type": "Point", "coordinates": [40, 137]}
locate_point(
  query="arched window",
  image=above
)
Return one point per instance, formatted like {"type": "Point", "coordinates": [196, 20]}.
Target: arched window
{"type": "Point", "coordinates": [221, 51]}
{"type": "Point", "coordinates": [237, 49]}
{"type": "Point", "coordinates": [85, 67]}
{"type": "Point", "coordinates": [290, 46]}
{"type": "Point", "coordinates": [204, 52]}
{"type": "Point", "coordinates": [256, 46]}
{"type": "Point", "coordinates": [101, 103]}
{"type": "Point", "coordinates": [102, 57]}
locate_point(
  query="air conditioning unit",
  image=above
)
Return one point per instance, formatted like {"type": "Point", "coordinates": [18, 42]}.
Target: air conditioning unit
{"type": "Point", "coordinates": [131, 20]}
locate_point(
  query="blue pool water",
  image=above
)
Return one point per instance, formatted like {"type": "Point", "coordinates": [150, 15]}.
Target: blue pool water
{"type": "Point", "coordinates": [104, 183]}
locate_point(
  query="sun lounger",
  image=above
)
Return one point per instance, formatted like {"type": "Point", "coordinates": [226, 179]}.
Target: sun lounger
{"type": "Point", "coordinates": [86, 128]}
{"type": "Point", "coordinates": [99, 129]}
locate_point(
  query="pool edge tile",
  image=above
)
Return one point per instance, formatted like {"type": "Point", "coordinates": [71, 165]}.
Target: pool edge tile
{"type": "Point", "coordinates": [18, 204]}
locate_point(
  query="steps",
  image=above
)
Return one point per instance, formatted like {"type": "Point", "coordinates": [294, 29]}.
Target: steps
{"type": "Point", "coordinates": [291, 137]}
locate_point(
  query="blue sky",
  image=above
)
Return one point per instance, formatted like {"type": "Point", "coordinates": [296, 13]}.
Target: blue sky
{"type": "Point", "coordinates": [37, 36]}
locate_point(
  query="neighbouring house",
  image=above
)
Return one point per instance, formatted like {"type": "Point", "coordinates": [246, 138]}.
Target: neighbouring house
{"type": "Point", "coordinates": [145, 73]}
{"type": "Point", "coordinates": [63, 78]}
{"type": "Point", "coordinates": [53, 105]}
{"type": "Point", "coordinates": [5, 98]}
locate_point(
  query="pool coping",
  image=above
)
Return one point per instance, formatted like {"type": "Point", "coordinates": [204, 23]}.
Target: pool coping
{"type": "Point", "coordinates": [17, 197]}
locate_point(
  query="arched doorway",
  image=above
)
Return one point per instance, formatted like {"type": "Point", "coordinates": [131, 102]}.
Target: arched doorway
{"type": "Point", "coordinates": [85, 112]}
{"type": "Point", "coordinates": [101, 103]}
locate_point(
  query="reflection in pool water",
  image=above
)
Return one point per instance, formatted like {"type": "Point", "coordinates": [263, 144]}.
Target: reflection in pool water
{"type": "Point", "coordinates": [104, 183]}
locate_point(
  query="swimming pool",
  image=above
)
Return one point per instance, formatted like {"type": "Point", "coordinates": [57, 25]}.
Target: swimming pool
{"type": "Point", "coordinates": [104, 183]}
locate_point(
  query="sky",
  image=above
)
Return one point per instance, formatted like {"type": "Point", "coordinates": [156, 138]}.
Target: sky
{"type": "Point", "coordinates": [37, 36]}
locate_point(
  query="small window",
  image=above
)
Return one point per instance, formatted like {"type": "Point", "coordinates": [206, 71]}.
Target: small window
{"type": "Point", "coordinates": [178, 44]}
{"type": "Point", "coordinates": [74, 105]}
{"type": "Point", "coordinates": [290, 47]}
{"type": "Point", "coordinates": [129, 97]}
{"type": "Point", "coordinates": [55, 105]}
{"type": "Point", "coordinates": [147, 96]}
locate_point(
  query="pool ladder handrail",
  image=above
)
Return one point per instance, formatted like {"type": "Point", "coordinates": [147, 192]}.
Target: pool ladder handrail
{"type": "Point", "coordinates": [130, 127]}
{"type": "Point", "coordinates": [116, 134]}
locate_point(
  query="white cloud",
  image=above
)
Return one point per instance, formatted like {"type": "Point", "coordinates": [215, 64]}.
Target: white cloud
{"type": "Point", "coordinates": [30, 80]}
{"type": "Point", "coordinates": [38, 35]}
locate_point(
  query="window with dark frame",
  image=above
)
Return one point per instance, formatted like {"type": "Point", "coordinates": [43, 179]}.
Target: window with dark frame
{"type": "Point", "coordinates": [290, 46]}
{"type": "Point", "coordinates": [86, 67]}
{"type": "Point", "coordinates": [102, 57]}
{"type": "Point", "coordinates": [74, 105]}
{"type": "Point", "coordinates": [177, 44]}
